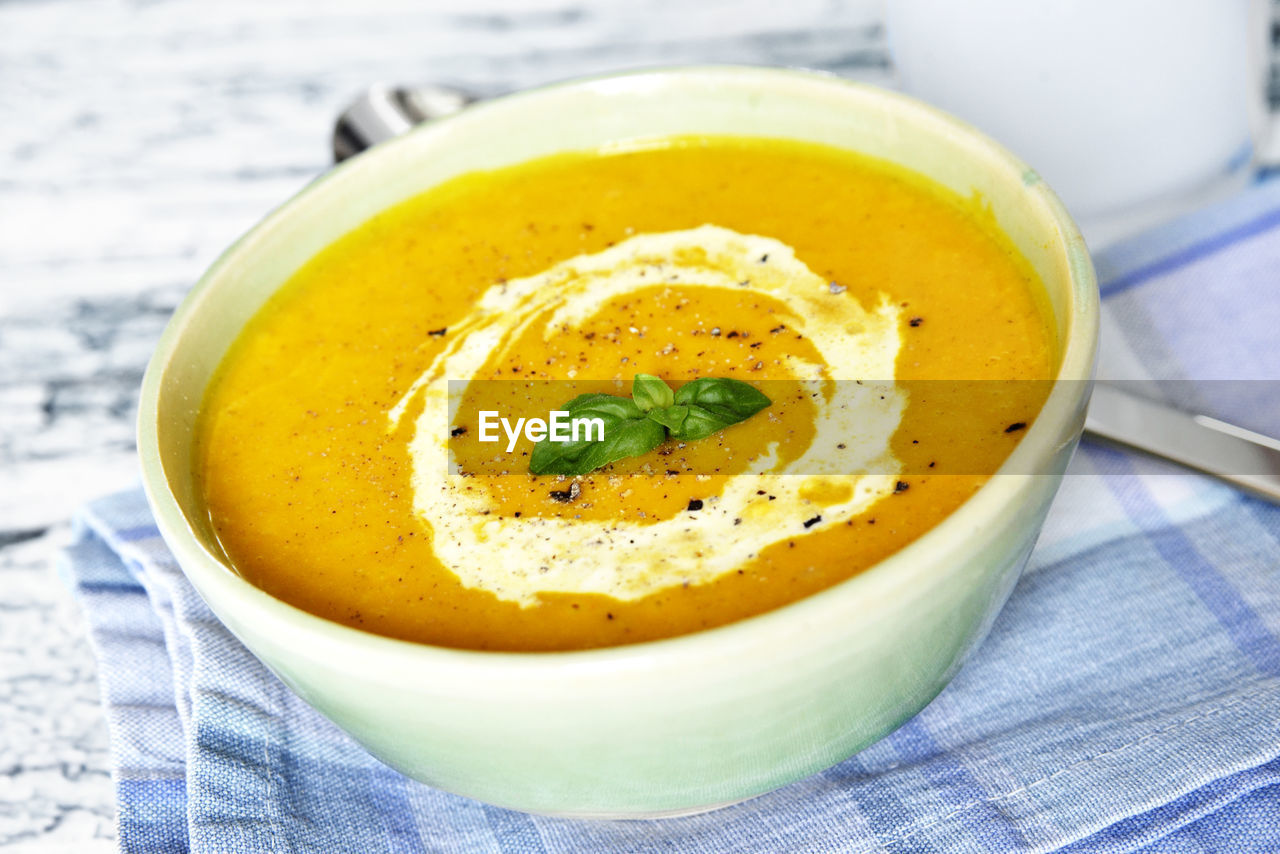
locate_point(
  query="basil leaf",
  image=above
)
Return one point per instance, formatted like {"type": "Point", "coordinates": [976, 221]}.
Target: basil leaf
{"type": "Point", "coordinates": [671, 417]}
{"type": "Point", "coordinates": [714, 404]}
{"type": "Point", "coordinates": [650, 392]}
{"type": "Point", "coordinates": [628, 439]}
{"type": "Point", "coordinates": [602, 406]}
{"type": "Point", "coordinates": [640, 423]}
{"type": "Point", "coordinates": [627, 433]}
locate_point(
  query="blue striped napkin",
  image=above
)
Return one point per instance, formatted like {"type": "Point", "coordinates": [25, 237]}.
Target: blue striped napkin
{"type": "Point", "coordinates": [1128, 698]}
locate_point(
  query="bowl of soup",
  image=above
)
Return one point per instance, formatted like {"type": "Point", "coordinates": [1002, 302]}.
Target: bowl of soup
{"type": "Point", "coordinates": [339, 437]}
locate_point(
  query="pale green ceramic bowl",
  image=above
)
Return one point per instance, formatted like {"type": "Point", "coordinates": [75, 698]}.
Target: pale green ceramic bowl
{"type": "Point", "coordinates": [671, 726]}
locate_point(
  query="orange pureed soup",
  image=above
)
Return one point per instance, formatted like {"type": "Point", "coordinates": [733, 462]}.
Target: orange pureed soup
{"type": "Point", "coordinates": [340, 476]}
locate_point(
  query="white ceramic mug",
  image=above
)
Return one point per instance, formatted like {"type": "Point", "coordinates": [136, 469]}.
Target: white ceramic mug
{"type": "Point", "coordinates": [1132, 110]}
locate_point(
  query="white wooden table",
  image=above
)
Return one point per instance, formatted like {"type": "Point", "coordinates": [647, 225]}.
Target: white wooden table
{"type": "Point", "coordinates": [137, 140]}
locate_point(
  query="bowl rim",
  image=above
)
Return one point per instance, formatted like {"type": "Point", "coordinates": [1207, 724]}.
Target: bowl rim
{"type": "Point", "coordinates": [329, 638]}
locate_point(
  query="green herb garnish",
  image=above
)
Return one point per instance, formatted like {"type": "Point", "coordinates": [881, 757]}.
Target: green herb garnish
{"type": "Point", "coordinates": [654, 413]}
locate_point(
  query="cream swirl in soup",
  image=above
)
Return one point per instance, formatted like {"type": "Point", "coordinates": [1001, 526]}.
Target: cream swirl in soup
{"type": "Point", "coordinates": [771, 501]}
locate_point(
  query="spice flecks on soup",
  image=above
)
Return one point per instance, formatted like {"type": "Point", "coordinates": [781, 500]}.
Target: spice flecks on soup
{"type": "Point", "coordinates": [772, 497]}
{"type": "Point", "coordinates": [330, 486]}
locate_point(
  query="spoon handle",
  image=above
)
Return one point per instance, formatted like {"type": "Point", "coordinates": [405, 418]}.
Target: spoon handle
{"type": "Point", "coordinates": [383, 112]}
